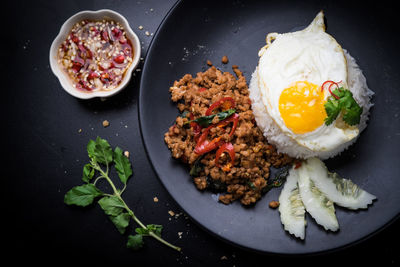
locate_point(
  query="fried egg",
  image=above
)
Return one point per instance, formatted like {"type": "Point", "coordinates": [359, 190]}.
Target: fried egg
{"type": "Point", "coordinates": [291, 71]}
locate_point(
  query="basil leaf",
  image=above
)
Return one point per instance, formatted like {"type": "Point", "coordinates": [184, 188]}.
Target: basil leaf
{"type": "Point", "coordinates": [88, 173]}
{"type": "Point", "coordinates": [155, 228]}
{"type": "Point", "coordinates": [135, 242]}
{"type": "Point", "coordinates": [197, 166]}
{"type": "Point", "coordinates": [184, 114]}
{"type": "Point", "coordinates": [122, 165]}
{"type": "Point", "coordinates": [142, 231]}
{"type": "Point", "coordinates": [82, 195]}
{"type": "Point", "coordinates": [112, 205]}
{"type": "Point", "coordinates": [121, 221]}
{"type": "Point", "coordinates": [278, 180]}
{"type": "Point", "coordinates": [100, 150]}
{"type": "Point", "coordinates": [205, 121]}
{"type": "Point", "coordinates": [90, 148]}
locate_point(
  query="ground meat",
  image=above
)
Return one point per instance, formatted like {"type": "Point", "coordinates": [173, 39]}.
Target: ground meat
{"type": "Point", "coordinates": [248, 176]}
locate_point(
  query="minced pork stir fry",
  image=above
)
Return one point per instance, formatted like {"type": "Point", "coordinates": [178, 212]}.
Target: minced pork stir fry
{"type": "Point", "coordinates": [216, 134]}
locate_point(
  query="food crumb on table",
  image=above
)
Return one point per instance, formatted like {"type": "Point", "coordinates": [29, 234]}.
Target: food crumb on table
{"type": "Point", "coordinates": [273, 204]}
{"type": "Point", "coordinates": [171, 213]}
{"type": "Point", "coordinates": [224, 258]}
{"type": "Point", "coordinates": [224, 60]}
{"type": "Point", "coordinates": [209, 63]}
{"type": "Point", "coordinates": [155, 199]}
{"type": "Point", "coordinates": [126, 153]}
{"type": "Point", "coordinates": [140, 27]}
{"type": "Point", "coordinates": [106, 123]}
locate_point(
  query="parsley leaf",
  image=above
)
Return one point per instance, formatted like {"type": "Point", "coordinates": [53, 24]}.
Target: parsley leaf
{"type": "Point", "coordinates": [332, 110]}
{"type": "Point", "coordinates": [346, 104]}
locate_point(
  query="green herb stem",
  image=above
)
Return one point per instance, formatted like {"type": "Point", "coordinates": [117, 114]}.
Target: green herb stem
{"type": "Point", "coordinates": [130, 212]}
{"type": "Point", "coordinates": [101, 153]}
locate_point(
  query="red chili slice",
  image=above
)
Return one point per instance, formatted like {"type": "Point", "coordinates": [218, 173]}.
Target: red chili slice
{"type": "Point", "coordinates": [84, 85]}
{"type": "Point", "coordinates": [204, 146]}
{"type": "Point", "coordinates": [225, 102]}
{"type": "Point", "coordinates": [116, 32]}
{"type": "Point", "coordinates": [329, 88]}
{"type": "Point", "coordinates": [84, 52]}
{"type": "Point", "coordinates": [226, 147]}
{"type": "Point", "coordinates": [207, 146]}
{"type": "Point", "coordinates": [93, 75]}
{"type": "Point", "coordinates": [233, 118]}
{"type": "Point", "coordinates": [104, 35]}
{"type": "Point", "coordinates": [196, 127]}
{"type": "Point", "coordinates": [74, 38]}
{"type": "Point", "coordinates": [119, 59]}
{"type": "Point", "coordinates": [202, 89]}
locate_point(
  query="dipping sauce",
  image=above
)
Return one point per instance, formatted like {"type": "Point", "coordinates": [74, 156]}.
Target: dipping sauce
{"type": "Point", "coordinates": [96, 55]}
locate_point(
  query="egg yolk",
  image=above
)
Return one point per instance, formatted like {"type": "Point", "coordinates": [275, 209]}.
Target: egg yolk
{"type": "Point", "coordinates": [302, 107]}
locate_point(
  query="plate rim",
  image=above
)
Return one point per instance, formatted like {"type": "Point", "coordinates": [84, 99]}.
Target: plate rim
{"type": "Point", "coordinates": [212, 233]}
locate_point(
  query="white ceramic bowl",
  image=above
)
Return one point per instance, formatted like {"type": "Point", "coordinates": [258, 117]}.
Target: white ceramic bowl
{"type": "Point", "coordinates": [62, 76]}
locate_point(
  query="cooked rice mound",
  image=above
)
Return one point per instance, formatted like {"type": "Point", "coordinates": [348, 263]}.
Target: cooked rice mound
{"type": "Point", "coordinates": [284, 144]}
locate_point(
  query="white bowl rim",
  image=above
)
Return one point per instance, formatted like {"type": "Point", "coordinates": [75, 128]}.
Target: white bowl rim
{"type": "Point", "coordinates": [65, 29]}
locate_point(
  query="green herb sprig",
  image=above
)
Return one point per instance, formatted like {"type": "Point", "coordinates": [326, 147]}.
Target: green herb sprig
{"type": "Point", "coordinates": [345, 103]}
{"type": "Point", "coordinates": [101, 154]}
{"type": "Point", "coordinates": [205, 121]}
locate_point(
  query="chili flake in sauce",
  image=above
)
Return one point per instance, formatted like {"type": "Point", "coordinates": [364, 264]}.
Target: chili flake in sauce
{"type": "Point", "coordinates": [96, 55]}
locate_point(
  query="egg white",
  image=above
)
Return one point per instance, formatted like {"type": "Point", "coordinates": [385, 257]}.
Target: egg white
{"type": "Point", "coordinates": [309, 55]}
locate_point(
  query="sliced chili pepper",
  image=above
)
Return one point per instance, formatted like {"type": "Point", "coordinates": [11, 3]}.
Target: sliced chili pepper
{"type": "Point", "coordinates": [76, 66]}
{"type": "Point", "coordinates": [202, 89]}
{"type": "Point", "coordinates": [122, 40]}
{"type": "Point", "coordinates": [77, 63]}
{"type": "Point", "coordinates": [93, 75]}
{"type": "Point", "coordinates": [225, 102]}
{"type": "Point", "coordinates": [204, 146]}
{"type": "Point", "coordinates": [297, 164]}
{"type": "Point", "coordinates": [329, 88]}
{"type": "Point", "coordinates": [104, 35]}
{"type": "Point", "coordinates": [226, 147]}
{"type": "Point", "coordinates": [234, 118]}
{"type": "Point", "coordinates": [207, 146]}
{"type": "Point", "coordinates": [74, 38]}
{"type": "Point", "coordinates": [196, 128]}
{"type": "Point", "coordinates": [116, 32]}
{"type": "Point", "coordinates": [119, 59]}
{"type": "Point", "coordinates": [84, 52]}
{"type": "Point", "coordinates": [84, 85]}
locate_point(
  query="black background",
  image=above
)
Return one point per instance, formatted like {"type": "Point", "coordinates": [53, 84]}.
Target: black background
{"type": "Point", "coordinates": [45, 154]}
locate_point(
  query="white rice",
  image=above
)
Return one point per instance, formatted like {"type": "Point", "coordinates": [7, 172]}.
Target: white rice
{"type": "Point", "coordinates": [284, 144]}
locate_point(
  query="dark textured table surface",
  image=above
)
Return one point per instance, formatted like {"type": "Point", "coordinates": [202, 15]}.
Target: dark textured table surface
{"type": "Point", "coordinates": [46, 135]}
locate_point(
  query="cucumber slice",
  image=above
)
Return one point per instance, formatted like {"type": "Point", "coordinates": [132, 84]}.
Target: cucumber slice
{"type": "Point", "coordinates": [342, 192]}
{"type": "Point", "coordinates": [291, 207]}
{"type": "Point", "coordinates": [316, 203]}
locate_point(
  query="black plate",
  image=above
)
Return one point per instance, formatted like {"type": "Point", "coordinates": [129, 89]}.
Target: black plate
{"type": "Point", "coordinates": [195, 31]}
